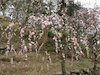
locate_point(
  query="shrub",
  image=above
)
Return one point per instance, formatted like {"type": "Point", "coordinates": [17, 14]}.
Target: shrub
{"type": "Point", "coordinates": [50, 34]}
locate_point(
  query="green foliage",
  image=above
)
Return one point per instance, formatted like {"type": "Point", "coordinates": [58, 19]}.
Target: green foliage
{"type": "Point", "coordinates": [50, 34]}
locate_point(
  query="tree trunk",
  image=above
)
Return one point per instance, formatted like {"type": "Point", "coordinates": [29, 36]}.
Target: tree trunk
{"type": "Point", "coordinates": [45, 35]}
{"type": "Point", "coordinates": [95, 63]}
{"type": "Point", "coordinates": [63, 66]}
{"type": "Point", "coordinates": [72, 57]}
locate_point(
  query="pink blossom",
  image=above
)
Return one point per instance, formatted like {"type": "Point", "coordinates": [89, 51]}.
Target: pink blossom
{"type": "Point", "coordinates": [11, 24]}
{"type": "Point", "coordinates": [22, 32]}
{"type": "Point", "coordinates": [25, 48]}
{"type": "Point", "coordinates": [32, 17]}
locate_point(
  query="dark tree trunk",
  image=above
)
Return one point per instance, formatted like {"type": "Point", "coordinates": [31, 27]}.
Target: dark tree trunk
{"type": "Point", "coordinates": [95, 63]}
{"type": "Point", "coordinates": [63, 65]}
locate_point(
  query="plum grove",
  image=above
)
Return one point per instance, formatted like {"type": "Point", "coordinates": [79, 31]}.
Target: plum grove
{"type": "Point", "coordinates": [74, 30]}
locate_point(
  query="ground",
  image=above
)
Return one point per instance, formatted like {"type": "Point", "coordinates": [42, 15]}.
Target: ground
{"type": "Point", "coordinates": [35, 65]}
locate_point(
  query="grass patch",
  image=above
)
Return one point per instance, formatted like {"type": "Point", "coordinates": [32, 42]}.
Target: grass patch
{"type": "Point", "coordinates": [35, 65]}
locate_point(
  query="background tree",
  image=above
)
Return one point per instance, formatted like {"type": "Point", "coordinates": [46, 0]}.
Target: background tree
{"type": "Point", "coordinates": [3, 6]}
